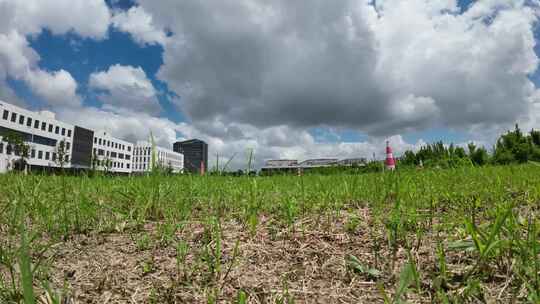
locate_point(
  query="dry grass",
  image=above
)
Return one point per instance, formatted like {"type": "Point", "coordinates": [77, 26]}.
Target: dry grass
{"type": "Point", "coordinates": [306, 262]}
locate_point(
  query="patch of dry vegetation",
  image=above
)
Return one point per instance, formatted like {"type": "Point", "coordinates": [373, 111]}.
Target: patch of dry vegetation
{"type": "Point", "coordinates": [419, 237]}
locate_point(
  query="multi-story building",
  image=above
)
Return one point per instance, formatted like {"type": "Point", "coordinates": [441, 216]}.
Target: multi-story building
{"type": "Point", "coordinates": [112, 154]}
{"type": "Point", "coordinates": [281, 163]}
{"type": "Point", "coordinates": [318, 162]}
{"type": "Point", "coordinates": [43, 134]}
{"type": "Point", "coordinates": [195, 153]}
{"type": "Point", "coordinates": [47, 138]}
{"type": "Point", "coordinates": [286, 165]}
{"type": "Point", "coordinates": [360, 162]}
{"type": "Point", "coordinates": [165, 158]}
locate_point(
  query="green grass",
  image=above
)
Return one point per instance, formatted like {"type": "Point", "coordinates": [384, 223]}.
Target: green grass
{"type": "Point", "coordinates": [484, 220]}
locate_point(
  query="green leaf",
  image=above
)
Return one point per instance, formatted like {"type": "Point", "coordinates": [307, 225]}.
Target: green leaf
{"type": "Point", "coordinates": [355, 264]}
{"type": "Point", "coordinates": [466, 245]}
{"type": "Point", "coordinates": [242, 297]}
{"type": "Point", "coordinates": [405, 279]}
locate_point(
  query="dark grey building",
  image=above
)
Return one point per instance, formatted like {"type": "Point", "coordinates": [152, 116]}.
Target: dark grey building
{"type": "Point", "coordinates": [81, 157]}
{"type": "Point", "coordinates": [195, 152]}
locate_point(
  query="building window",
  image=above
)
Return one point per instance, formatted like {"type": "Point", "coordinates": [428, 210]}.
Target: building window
{"type": "Point", "coordinates": [47, 155]}
{"type": "Point", "coordinates": [44, 141]}
{"type": "Point", "coordinates": [127, 166]}
{"type": "Point", "coordinates": [54, 156]}
{"type": "Point", "coordinates": [36, 124]}
{"type": "Point", "coordinates": [68, 146]}
{"type": "Point", "coordinates": [21, 119]}
{"type": "Point", "coordinates": [43, 126]}
{"type": "Point", "coordinates": [129, 149]}
{"type": "Point", "coordinates": [63, 131]}
{"type": "Point", "coordinates": [13, 117]}
{"type": "Point", "coordinates": [69, 133]}
{"type": "Point", "coordinates": [100, 152]}
{"type": "Point", "coordinates": [67, 158]}
{"type": "Point", "coordinates": [1, 147]}
{"type": "Point", "coordinates": [57, 130]}
{"type": "Point", "coordinates": [33, 153]}
{"type": "Point", "coordinates": [100, 141]}
{"type": "Point", "coordinates": [113, 154]}
{"type": "Point", "coordinates": [95, 140]}
{"type": "Point", "coordinates": [29, 122]}
{"type": "Point", "coordinates": [5, 116]}
{"type": "Point", "coordinates": [50, 128]}
{"type": "Point", "coordinates": [40, 154]}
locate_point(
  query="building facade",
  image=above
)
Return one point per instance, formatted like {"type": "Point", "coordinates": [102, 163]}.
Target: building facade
{"type": "Point", "coordinates": [81, 148]}
{"type": "Point", "coordinates": [41, 132]}
{"type": "Point", "coordinates": [165, 158]}
{"type": "Point", "coordinates": [195, 153]}
{"type": "Point", "coordinates": [112, 154]}
{"type": "Point", "coordinates": [289, 166]}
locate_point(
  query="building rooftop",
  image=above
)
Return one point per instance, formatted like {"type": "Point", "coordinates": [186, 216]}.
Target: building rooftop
{"type": "Point", "coordinates": [191, 141]}
{"type": "Point", "coordinates": [310, 163]}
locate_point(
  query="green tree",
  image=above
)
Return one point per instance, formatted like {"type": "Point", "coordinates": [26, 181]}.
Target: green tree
{"type": "Point", "coordinates": [514, 147]}
{"type": "Point", "coordinates": [478, 156]}
{"type": "Point", "coordinates": [16, 143]}
{"type": "Point", "coordinates": [62, 157]}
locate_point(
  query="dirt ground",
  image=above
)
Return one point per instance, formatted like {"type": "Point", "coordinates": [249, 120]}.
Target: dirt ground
{"type": "Point", "coordinates": [307, 264]}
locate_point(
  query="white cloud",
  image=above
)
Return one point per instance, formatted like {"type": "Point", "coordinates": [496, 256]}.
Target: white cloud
{"type": "Point", "coordinates": [88, 18]}
{"type": "Point", "coordinates": [475, 71]}
{"type": "Point", "coordinates": [58, 88]}
{"type": "Point", "coordinates": [19, 19]}
{"type": "Point", "coordinates": [125, 124]}
{"type": "Point", "coordinates": [393, 68]}
{"type": "Point", "coordinates": [19, 61]}
{"type": "Point", "coordinates": [270, 143]}
{"type": "Point", "coordinates": [137, 22]}
{"type": "Point", "coordinates": [126, 87]}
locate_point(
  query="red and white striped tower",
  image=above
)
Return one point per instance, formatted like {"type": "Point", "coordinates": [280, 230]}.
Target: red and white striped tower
{"type": "Point", "coordinates": [390, 162]}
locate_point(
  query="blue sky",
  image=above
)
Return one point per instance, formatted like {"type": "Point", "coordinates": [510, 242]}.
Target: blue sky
{"type": "Point", "coordinates": [81, 56]}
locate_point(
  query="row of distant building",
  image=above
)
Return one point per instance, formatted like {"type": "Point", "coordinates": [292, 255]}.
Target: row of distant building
{"type": "Point", "coordinates": [289, 165]}
{"type": "Point", "coordinates": [88, 149]}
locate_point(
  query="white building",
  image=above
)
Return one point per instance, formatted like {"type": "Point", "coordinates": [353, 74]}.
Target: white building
{"type": "Point", "coordinates": [40, 131]}
{"type": "Point", "coordinates": [142, 158]}
{"type": "Point", "coordinates": [84, 148]}
{"type": "Point", "coordinates": [111, 154]}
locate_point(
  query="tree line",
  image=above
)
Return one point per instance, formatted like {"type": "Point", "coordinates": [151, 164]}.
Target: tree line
{"type": "Point", "coordinates": [513, 147]}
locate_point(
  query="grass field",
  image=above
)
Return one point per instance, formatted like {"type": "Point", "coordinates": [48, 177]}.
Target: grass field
{"type": "Point", "coordinates": [443, 236]}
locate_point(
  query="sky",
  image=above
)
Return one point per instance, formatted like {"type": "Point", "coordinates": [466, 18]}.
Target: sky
{"type": "Point", "coordinates": [284, 79]}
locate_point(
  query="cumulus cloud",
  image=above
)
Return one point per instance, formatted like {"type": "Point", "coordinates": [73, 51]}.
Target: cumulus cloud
{"type": "Point", "coordinates": [124, 124]}
{"type": "Point", "coordinates": [19, 19]}
{"type": "Point", "coordinates": [88, 18]}
{"type": "Point", "coordinates": [264, 143]}
{"type": "Point", "coordinates": [137, 22]}
{"type": "Point", "coordinates": [126, 87]}
{"type": "Point", "coordinates": [383, 68]}
{"type": "Point", "coordinates": [19, 61]}
{"type": "Point", "coordinates": [58, 87]}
